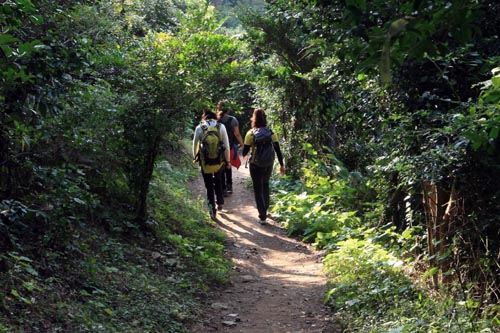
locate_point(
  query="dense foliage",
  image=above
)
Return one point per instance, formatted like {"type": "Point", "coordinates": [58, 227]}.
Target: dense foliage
{"type": "Point", "coordinates": [93, 96]}
{"type": "Point", "coordinates": [389, 112]}
{"type": "Point", "coordinates": [388, 116]}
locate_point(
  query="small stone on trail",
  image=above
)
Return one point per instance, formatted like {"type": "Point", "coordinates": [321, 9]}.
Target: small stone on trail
{"type": "Point", "coordinates": [234, 317]}
{"type": "Point", "coordinates": [219, 306]}
{"type": "Point", "coordinates": [247, 278]}
{"type": "Point", "coordinates": [229, 323]}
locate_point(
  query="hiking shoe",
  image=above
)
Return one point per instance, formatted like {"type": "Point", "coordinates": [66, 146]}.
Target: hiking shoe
{"type": "Point", "coordinates": [219, 208]}
{"type": "Point", "coordinates": [262, 222]}
{"type": "Point", "coordinates": [229, 189]}
{"type": "Point", "coordinates": [213, 215]}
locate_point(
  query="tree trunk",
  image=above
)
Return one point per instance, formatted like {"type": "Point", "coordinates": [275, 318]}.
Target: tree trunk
{"type": "Point", "coordinates": [396, 210]}
{"type": "Point", "coordinates": [441, 212]}
{"type": "Point", "coordinates": [147, 174]}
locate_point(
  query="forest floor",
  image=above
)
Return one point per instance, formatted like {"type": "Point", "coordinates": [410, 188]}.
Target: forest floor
{"type": "Point", "coordinates": [277, 284]}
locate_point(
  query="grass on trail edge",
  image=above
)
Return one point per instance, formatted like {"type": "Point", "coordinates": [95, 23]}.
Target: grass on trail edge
{"type": "Point", "coordinates": [131, 282]}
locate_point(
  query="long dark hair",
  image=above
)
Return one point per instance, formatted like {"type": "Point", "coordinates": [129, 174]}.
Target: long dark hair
{"type": "Point", "coordinates": [207, 114]}
{"type": "Point", "coordinates": [258, 119]}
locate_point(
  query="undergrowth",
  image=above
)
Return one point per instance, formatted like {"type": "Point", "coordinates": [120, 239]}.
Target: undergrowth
{"type": "Point", "coordinates": [186, 229]}
{"type": "Point", "coordinates": [131, 281]}
{"type": "Point", "coordinates": [376, 283]}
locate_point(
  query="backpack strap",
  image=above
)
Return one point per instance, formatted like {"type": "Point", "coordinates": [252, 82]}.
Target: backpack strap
{"type": "Point", "coordinates": [253, 148]}
{"type": "Point", "coordinates": [218, 130]}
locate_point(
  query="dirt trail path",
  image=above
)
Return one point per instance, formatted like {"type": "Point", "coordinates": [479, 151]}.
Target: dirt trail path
{"type": "Point", "coordinates": [277, 285]}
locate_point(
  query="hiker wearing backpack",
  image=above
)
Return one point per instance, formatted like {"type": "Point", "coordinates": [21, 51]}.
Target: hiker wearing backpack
{"type": "Point", "coordinates": [234, 136]}
{"type": "Point", "coordinates": [211, 150]}
{"type": "Point", "coordinates": [262, 144]}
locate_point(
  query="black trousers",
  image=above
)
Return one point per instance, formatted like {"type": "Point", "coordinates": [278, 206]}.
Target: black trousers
{"type": "Point", "coordinates": [227, 179]}
{"type": "Point", "coordinates": [260, 180]}
{"type": "Point", "coordinates": [213, 184]}
{"type": "Point", "coordinates": [227, 174]}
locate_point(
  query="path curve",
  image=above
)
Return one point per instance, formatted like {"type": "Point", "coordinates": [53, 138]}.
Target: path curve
{"type": "Point", "coordinates": [277, 285]}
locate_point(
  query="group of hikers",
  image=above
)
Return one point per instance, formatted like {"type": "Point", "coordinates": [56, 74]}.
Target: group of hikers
{"type": "Point", "coordinates": [215, 147]}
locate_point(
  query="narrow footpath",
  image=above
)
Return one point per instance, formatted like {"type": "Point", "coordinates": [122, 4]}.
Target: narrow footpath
{"type": "Point", "coordinates": [277, 285]}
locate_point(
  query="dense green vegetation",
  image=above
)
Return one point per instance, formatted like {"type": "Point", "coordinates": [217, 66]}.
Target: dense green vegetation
{"type": "Point", "coordinates": [388, 115]}
{"type": "Point", "coordinates": [389, 111]}
{"type": "Point", "coordinates": [95, 100]}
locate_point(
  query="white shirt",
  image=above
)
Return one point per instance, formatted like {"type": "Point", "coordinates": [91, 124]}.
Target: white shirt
{"type": "Point", "coordinates": [198, 132]}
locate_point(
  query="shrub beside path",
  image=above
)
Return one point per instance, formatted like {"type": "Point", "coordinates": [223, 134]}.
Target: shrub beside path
{"type": "Point", "coordinates": [277, 285]}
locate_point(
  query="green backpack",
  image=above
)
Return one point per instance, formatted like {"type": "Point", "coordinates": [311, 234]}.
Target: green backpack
{"type": "Point", "coordinates": [211, 149]}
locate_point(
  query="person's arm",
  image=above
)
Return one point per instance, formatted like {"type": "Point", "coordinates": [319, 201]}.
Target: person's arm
{"type": "Point", "coordinates": [246, 150]}
{"type": "Point", "coordinates": [247, 144]}
{"type": "Point", "coordinates": [280, 157]}
{"type": "Point", "coordinates": [277, 149]}
{"type": "Point", "coordinates": [237, 134]}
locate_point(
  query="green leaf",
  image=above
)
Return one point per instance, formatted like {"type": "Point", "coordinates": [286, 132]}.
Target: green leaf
{"type": "Point", "coordinates": [84, 292]}
{"type": "Point", "coordinates": [492, 97]}
{"type": "Point", "coordinates": [328, 295]}
{"type": "Point", "coordinates": [7, 38]}
{"type": "Point", "coordinates": [36, 19]}
{"type": "Point", "coordinates": [23, 258]}
{"type": "Point", "coordinates": [27, 48]}
{"type": "Point", "coordinates": [16, 294]}
{"type": "Point", "coordinates": [7, 50]}
{"type": "Point", "coordinates": [31, 270]}
{"type": "Point", "coordinates": [494, 132]}
{"type": "Point", "coordinates": [431, 272]}
{"type": "Point", "coordinates": [496, 81]}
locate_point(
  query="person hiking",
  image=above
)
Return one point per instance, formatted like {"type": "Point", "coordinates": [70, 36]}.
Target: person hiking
{"type": "Point", "coordinates": [211, 150]}
{"type": "Point", "coordinates": [233, 133]}
{"type": "Point", "coordinates": [262, 144]}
